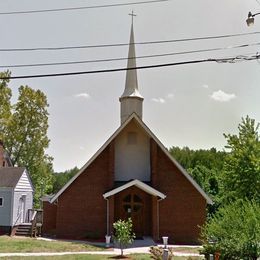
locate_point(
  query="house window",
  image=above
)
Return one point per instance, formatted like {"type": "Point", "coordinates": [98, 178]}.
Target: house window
{"type": "Point", "coordinates": [1, 202]}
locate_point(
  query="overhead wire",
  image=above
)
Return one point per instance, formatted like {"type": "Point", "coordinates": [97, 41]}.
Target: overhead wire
{"type": "Point", "coordinates": [82, 7]}
{"type": "Point", "coordinates": [222, 60]}
{"type": "Point", "coordinates": [126, 44]}
{"type": "Point", "coordinates": [123, 58]}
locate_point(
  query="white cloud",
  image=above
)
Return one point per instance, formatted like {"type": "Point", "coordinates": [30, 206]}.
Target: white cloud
{"type": "Point", "coordinates": [82, 95]}
{"type": "Point", "coordinates": [170, 95]}
{"type": "Point", "coordinates": [158, 100]}
{"type": "Point", "coordinates": [221, 96]}
{"type": "Point", "coordinates": [82, 148]}
{"type": "Point", "coordinates": [205, 86]}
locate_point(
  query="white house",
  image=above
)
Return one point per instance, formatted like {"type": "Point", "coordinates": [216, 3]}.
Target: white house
{"type": "Point", "coordinates": [16, 196]}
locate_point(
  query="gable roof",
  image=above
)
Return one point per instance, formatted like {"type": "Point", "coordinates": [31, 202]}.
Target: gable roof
{"type": "Point", "coordinates": [9, 176]}
{"type": "Point", "coordinates": [150, 133]}
{"type": "Point", "coordinates": [143, 186]}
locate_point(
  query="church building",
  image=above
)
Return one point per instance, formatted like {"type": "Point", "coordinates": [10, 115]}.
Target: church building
{"type": "Point", "coordinates": [131, 175]}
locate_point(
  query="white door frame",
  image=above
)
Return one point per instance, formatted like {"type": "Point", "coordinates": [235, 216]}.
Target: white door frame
{"type": "Point", "coordinates": [21, 208]}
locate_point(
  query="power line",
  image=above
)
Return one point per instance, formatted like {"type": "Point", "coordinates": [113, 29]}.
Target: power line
{"type": "Point", "coordinates": [223, 60]}
{"type": "Point", "coordinates": [82, 7]}
{"type": "Point", "coordinates": [126, 44]}
{"type": "Point", "coordinates": [119, 59]}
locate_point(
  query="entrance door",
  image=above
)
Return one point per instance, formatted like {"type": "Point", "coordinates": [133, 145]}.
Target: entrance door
{"type": "Point", "coordinates": [21, 209]}
{"type": "Point", "coordinates": [135, 204]}
{"type": "Point", "coordinates": [133, 208]}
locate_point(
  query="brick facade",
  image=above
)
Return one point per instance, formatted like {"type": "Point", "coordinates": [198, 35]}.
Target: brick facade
{"type": "Point", "coordinates": [81, 211]}
{"type": "Point", "coordinates": [49, 218]}
{"type": "Point", "coordinates": [184, 209]}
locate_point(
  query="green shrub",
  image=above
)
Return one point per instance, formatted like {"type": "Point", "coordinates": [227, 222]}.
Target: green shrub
{"type": "Point", "coordinates": [157, 253]}
{"type": "Point", "coordinates": [234, 232]}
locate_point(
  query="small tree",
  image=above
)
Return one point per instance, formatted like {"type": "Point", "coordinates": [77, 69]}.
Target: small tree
{"type": "Point", "coordinates": [124, 233]}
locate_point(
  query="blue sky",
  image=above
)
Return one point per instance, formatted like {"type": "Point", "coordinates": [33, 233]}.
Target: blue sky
{"type": "Point", "coordinates": [190, 105]}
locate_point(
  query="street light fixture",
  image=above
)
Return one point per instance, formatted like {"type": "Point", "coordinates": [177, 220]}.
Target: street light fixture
{"type": "Point", "coordinates": [250, 19]}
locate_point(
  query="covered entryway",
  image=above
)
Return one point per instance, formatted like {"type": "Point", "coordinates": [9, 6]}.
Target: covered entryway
{"type": "Point", "coordinates": [135, 204]}
{"type": "Point", "coordinates": [137, 200]}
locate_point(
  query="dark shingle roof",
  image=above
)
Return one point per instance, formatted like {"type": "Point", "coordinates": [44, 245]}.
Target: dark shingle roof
{"type": "Point", "coordinates": [9, 176]}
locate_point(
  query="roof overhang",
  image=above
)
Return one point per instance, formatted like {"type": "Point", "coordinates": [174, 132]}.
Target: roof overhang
{"type": "Point", "coordinates": [141, 185]}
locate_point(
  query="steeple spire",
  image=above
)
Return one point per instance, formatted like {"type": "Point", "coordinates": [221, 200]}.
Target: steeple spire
{"type": "Point", "coordinates": [131, 100]}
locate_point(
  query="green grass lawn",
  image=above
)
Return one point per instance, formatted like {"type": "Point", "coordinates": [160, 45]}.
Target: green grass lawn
{"type": "Point", "coordinates": [97, 257]}
{"type": "Point", "coordinates": [32, 245]}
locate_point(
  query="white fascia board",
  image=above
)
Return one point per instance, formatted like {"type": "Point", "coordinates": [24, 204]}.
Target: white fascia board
{"type": "Point", "coordinates": [101, 149]}
{"type": "Point", "coordinates": [140, 185]}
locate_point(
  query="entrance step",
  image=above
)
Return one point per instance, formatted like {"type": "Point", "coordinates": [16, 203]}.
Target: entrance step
{"type": "Point", "coordinates": [23, 230]}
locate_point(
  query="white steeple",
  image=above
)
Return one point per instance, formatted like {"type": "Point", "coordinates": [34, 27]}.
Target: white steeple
{"type": "Point", "coordinates": [131, 100]}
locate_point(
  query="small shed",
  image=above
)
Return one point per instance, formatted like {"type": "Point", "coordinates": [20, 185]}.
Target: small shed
{"type": "Point", "coordinates": [16, 197]}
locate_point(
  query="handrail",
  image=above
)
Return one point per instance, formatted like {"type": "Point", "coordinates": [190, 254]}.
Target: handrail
{"type": "Point", "coordinates": [34, 215]}
{"type": "Point", "coordinates": [33, 221]}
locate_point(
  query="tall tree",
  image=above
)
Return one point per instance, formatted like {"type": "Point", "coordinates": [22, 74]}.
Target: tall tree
{"type": "Point", "coordinates": [28, 128]}
{"type": "Point", "coordinates": [25, 134]}
{"type": "Point", "coordinates": [241, 175]}
{"type": "Point", "coordinates": [5, 104]}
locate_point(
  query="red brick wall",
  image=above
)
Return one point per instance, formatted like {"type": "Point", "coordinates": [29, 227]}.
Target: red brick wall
{"type": "Point", "coordinates": [81, 209]}
{"type": "Point", "coordinates": [184, 208]}
{"type": "Point", "coordinates": [49, 218]}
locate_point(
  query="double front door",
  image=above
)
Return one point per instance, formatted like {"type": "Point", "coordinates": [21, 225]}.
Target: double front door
{"type": "Point", "coordinates": [135, 204]}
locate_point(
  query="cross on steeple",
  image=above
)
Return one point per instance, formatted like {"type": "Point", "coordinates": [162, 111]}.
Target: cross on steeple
{"type": "Point", "coordinates": [131, 101]}
{"type": "Point", "coordinates": [132, 14]}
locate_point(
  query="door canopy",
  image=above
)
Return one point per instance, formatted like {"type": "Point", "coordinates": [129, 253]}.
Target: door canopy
{"type": "Point", "coordinates": [141, 185]}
